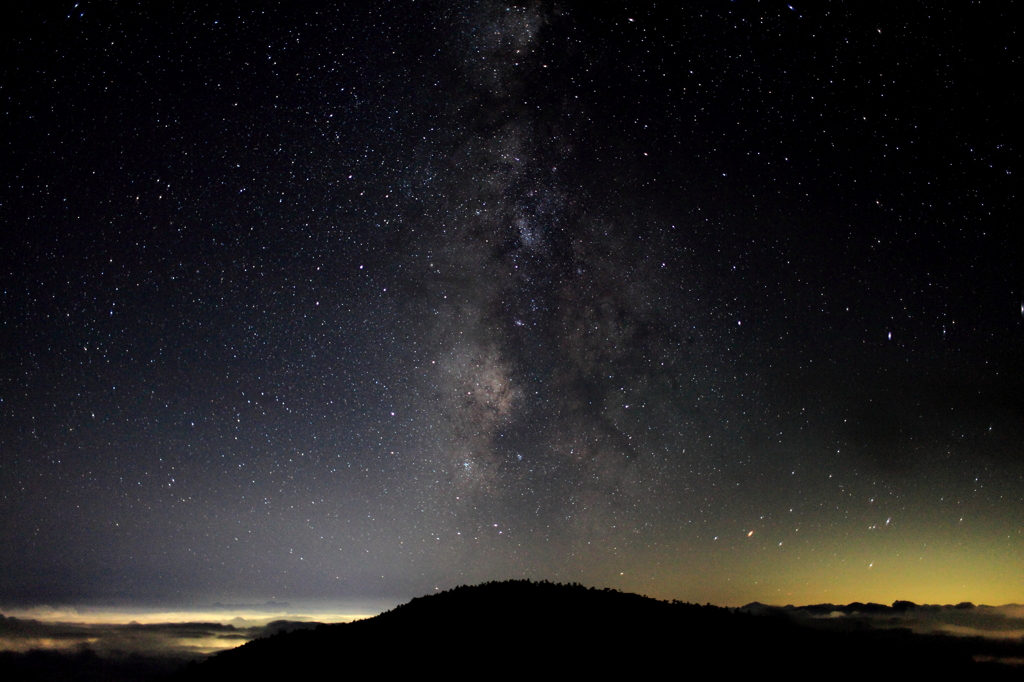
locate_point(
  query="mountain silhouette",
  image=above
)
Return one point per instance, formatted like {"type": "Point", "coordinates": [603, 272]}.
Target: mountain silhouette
{"type": "Point", "coordinates": [510, 629]}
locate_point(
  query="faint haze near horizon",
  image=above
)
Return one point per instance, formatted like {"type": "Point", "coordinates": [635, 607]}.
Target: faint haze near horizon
{"type": "Point", "coordinates": [190, 634]}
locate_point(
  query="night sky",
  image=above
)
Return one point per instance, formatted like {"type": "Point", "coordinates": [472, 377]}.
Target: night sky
{"type": "Point", "coordinates": [351, 301]}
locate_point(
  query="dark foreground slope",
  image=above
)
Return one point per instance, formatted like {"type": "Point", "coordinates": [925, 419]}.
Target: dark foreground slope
{"type": "Point", "coordinates": [501, 630]}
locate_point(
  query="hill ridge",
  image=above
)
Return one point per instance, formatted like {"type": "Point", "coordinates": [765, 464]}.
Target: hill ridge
{"type": "Point", "coordinates": [517, 627]}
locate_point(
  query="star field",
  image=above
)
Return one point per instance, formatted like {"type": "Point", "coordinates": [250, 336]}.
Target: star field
{"type": "Point", "coordinates": [719, 303]}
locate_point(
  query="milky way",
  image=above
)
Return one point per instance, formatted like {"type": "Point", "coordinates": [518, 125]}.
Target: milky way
{"type": "Point", "coordinates": [717, 303]}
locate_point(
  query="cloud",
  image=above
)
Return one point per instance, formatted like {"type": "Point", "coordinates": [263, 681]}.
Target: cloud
{"type": "Point", "coordinates": [964, 620]}
{"type": "Point", "coordinates": [989, 634]}
{"type": "Point", "coordinates": [177, 640]}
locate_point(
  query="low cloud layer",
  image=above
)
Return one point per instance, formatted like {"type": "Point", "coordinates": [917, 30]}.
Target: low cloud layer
{"type": "Point", "coordinates": [177, 640]}
{"type": "Point", "coordinates": [965, 619]}
{"type": "Point", "coordinates": [997, 631]}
